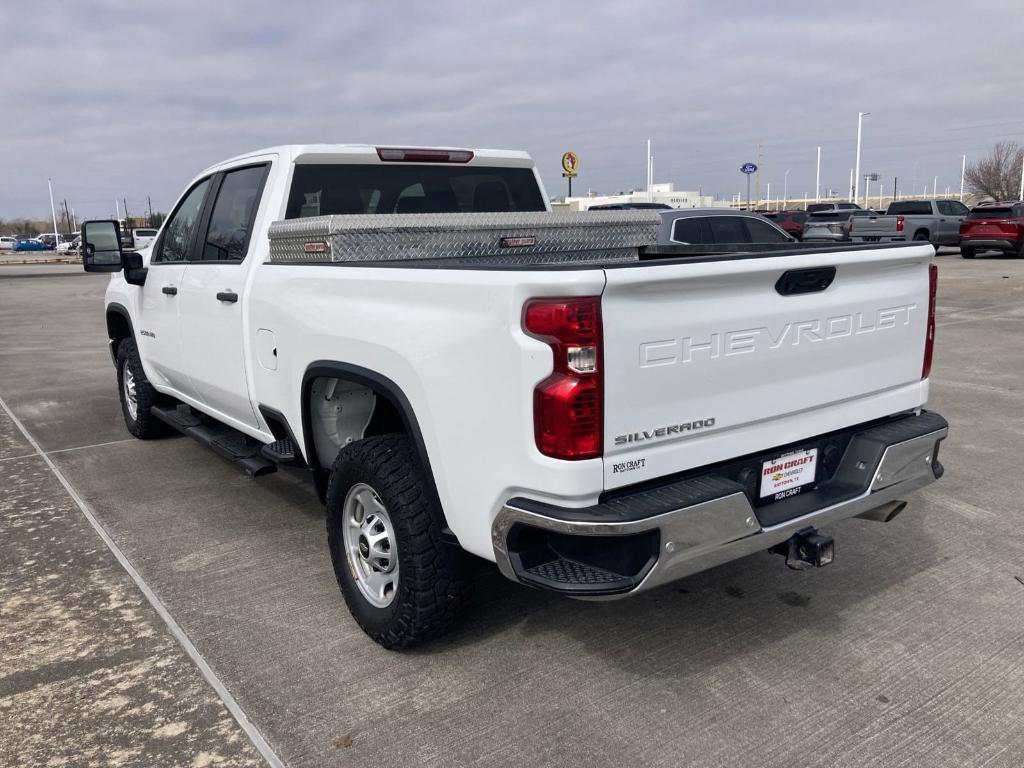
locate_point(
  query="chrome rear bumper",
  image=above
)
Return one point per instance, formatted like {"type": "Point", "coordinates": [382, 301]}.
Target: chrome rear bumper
{"type": "Point", "coordinates": [720, 524]}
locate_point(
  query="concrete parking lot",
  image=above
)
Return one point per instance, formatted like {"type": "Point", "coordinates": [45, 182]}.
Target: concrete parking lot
{"type": "Point", "coordinates": [907, 651]}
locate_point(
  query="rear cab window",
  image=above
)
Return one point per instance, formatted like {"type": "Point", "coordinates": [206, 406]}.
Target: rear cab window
{"type": "Point", "coordinates": [909, 208]}
{"type": "Point", "coordinates": [332, 188]}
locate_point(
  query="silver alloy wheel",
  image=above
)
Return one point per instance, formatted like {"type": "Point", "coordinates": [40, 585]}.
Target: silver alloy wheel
{"type": "Point", "coordinates": [130, 398]}
{"type": "Point", "coordinates": [370, 545]}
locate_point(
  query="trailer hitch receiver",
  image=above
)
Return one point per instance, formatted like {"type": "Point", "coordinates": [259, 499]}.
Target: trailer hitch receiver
{"type": "Point", "coordinates": [807, 549]}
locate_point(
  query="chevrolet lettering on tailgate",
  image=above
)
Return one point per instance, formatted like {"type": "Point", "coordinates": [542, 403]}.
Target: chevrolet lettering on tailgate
{"type": "Point", "coordinates": [739, 342]}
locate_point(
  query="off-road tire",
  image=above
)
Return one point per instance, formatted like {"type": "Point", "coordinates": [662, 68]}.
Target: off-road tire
{"type": "Point", "coordinates": [435, 577]}
{"type": "Point", "coordinates": [143, 425]}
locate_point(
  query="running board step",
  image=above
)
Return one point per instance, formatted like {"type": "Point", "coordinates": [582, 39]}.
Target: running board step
{"type": "Point", "coordinates": [281, 452]}
{"type": "Point", "coordinates": [222, 439]}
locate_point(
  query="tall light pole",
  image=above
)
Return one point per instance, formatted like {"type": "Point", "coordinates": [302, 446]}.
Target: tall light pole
{"type": "Point", "coordinates": [856, 170]}
{"type": "Point", "coordinates": [768, 194]}
{"type": "Point", "coordinates": [648, 169]}
{"type": "Point", "coordinates": [1020, 194]}
{"type": "Point", "coordinates": [963, 172]}
{"type": "Point", "coordinates": [785, 188]}
{"type": "Point", "coordinates": [817, 179]}
{"type": "Point", "coordinates": [53, 212]}
{"type": "Point", "coordinates": [935, 187]}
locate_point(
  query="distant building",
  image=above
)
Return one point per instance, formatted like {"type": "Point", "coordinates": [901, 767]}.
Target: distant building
{"type": "Point", "coordinates": [660, 193]}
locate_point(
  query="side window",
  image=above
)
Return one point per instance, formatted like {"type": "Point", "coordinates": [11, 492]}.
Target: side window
{"type": "Point", "coordinates": [945, 207]}
{"type": "Point", "coordinates": [727, 229]}
{"type": "Point", "coordinates": [690, 230]}
{"type": "Point", "coordinates": [227, 237]}
{"type": "Point", "coordinates": [762, 232]}
{"type": "Point", "coordinates": [177, 237]}
{"type": "Point", "coordinates": [959, 209]}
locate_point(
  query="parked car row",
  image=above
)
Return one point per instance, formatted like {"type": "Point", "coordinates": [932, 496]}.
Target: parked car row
{"type": "Point", "coordinates": [62, 243]}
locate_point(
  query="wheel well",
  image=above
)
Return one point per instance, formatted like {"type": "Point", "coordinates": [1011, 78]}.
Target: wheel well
{"type": "Point", "coordinates": [922, 232]}
{"type": "Point", "coordinates": [118, 327]}
{"type": "Point", "coordinates": [340, 411]}
{"type": "Point", "coordinates": [392, 412]}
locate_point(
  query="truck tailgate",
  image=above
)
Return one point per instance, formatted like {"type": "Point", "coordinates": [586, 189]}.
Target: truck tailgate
{"type": "Point", "coordinates": [707, 360]}
{"type": "Point", "coordinates": [873, 226]}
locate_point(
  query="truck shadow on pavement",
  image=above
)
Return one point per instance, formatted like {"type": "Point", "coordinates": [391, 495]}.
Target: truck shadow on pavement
{"type": "Point", "coordinates": [752, 605]}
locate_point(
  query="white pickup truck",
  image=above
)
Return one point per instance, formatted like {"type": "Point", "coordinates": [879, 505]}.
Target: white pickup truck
{"type": "Point", "coordinates": [463, 371]}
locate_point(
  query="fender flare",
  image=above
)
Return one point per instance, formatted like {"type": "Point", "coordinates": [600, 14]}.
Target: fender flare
{"type": "Point", "coordinates": [114, 308]}
{"type": "Point", "coordinates": [384, 387]}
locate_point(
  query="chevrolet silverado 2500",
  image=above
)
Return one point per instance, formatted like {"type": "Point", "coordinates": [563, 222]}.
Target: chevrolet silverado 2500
{"type": "Point", "coordinates": [463, 372]}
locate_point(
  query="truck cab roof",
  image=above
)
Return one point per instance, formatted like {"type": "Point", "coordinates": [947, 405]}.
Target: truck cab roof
{"type": "Point", "coordinates": [370, 153]}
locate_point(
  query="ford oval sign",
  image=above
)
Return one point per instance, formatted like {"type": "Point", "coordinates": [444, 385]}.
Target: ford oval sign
{"type": "Point", "coordinates": [748, 168]}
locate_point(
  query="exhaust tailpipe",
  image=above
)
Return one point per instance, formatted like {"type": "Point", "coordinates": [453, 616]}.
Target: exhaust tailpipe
{"type": "Point", "coordinates": [885, 512]}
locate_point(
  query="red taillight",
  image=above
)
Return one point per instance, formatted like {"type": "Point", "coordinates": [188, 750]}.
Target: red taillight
{"type": "Point", "coordinates": [929, 339]}
{"type": "Point", "coordinates": [899, 223]}
{"type": "Point", "coordinates": [413, 155]}
{"type": "Point", "coordinates": [568, 405]}
{"type": "Point", "coordinates": [849, 224]}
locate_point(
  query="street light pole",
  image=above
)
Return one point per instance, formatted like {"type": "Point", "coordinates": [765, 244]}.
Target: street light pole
{"type": "Point", "coordinates": [817, 179]}
{"type": "Point", "coordinates": [856, 170]}
{"type": "Point", "coordinates": [1020, 194]}
{"type": "Point", "coordinates": [53, 212]}
{"type": "Point", "coordinates": [785, 188]}
{"type": "Point", "coordinates": [963, 171]}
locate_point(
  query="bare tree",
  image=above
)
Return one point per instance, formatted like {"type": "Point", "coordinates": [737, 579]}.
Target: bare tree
{"type": "Point", "coordinates": [997, 175]}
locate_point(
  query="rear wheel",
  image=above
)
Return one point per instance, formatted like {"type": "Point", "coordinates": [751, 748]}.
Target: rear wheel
{"type": "Point", "coordinates": [137, 394]}
{"type": "Point", "coordinates": [401, 581]}
{"type": "Point", "coordinates": [967, 253]}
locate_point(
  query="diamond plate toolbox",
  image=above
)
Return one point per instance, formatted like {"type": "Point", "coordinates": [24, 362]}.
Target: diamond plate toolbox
{"type": "Point", "coordinates": [465, 238]}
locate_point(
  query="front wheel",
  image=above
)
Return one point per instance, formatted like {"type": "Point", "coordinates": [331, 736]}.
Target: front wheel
{"type": "Point", "coordinates": [137, 394]}
{"type": "Point", "coordinates": [401, 581]}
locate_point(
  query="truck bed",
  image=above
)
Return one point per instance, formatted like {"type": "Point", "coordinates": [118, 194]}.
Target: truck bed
{"type": "Point", "coordinates": [502, 241]}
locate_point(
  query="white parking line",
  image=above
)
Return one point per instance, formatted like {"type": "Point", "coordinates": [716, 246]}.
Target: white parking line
{"type": "Point", "coordinates": [179, 634]}
{"type": "Point", "coordinates": [65, 450]}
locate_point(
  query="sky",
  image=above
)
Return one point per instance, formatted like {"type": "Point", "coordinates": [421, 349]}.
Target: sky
{"type": "Point", "coordinates": [131, 100]}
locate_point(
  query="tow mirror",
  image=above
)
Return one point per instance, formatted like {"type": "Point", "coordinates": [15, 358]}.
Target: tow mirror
{"type": "Point", "coordinates": [101, 246]}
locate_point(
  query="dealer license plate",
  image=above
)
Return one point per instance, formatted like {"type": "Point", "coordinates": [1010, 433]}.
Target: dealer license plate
{"type": "Point", "coordinates": [787, 475]}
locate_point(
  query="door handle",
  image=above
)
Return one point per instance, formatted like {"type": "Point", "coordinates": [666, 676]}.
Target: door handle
{"type": "Point", "coordinates": [170, 290]}
{"type": "Point", "coordinates": [229, 297]}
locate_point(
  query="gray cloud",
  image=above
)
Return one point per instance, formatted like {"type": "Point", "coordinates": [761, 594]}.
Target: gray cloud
{"type": "Point", "coordinates": [138, 98]}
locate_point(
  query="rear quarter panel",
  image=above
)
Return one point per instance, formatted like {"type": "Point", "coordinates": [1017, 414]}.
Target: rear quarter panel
{"type": "Point", "coordinates": [452, 341]}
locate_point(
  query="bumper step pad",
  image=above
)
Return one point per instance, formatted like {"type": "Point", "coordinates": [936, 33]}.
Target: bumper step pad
{"type": "Point", "coordinates": [568, 572]}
